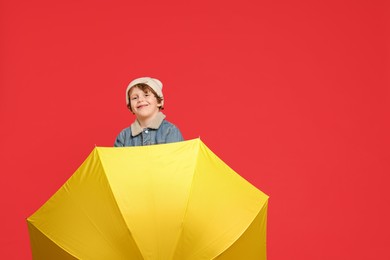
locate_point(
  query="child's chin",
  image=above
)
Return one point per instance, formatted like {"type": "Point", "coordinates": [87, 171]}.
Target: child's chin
{"type": "Point", "coordinates": [143, 114]}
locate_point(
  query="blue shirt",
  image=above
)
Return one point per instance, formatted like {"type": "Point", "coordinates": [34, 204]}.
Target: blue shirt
{"type": "Point", "coordinates": [160, 131]}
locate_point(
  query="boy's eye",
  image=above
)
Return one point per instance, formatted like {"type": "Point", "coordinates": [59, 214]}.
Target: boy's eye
{"type": "Point", "coordinates": [134, 98]}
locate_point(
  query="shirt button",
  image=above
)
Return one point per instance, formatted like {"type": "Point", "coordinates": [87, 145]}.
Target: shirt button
{"type": "Point", "coordinates": [146, 131]}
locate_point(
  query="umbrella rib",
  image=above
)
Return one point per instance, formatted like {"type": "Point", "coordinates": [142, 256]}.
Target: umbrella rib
{"type": "Point", "coordinates": [116, 203]}
{"type": "Point", "coordinates": [189, 195]}
{"type": "Point", "coordinates": [241, 233]}
{"type": "Point", "coordinates": [96, 227]}
{"type": "Point", "coordinates": [49, 237]}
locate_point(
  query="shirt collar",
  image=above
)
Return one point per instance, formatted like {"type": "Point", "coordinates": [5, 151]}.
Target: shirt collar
{"type": "Point", "coordinates": [136, 128]}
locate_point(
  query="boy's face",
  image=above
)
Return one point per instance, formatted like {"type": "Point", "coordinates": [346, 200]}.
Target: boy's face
{"type": "Point", "coordinates": [143, 104]}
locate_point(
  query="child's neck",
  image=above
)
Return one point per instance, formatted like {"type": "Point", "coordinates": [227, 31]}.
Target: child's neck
{"type": "Point", "coordinates": [146, 122]}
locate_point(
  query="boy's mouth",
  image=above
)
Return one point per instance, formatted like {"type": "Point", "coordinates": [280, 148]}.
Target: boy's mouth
{"type": "Point", "coordinates": [142, 106]}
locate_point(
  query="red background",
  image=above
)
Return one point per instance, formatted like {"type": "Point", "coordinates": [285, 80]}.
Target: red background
{"type": "Point", "coordinates": [293, 95]}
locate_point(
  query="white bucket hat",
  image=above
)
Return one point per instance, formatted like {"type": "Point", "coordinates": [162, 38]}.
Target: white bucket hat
{"type": "Point", "coordinates": [155, 84]}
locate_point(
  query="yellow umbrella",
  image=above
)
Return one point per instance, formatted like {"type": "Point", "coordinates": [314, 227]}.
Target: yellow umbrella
{"type": "Point", "coordinates": [169, 201]}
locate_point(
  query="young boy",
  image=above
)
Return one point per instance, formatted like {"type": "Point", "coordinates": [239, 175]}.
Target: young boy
{"type": "Point", "coordinates": [145, 100]}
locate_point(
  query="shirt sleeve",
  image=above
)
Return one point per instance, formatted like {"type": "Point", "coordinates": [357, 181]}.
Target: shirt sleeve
{"type": "Point", "coordinates": [120, 140]}
{"type": "Point", "coordinates": [174, 135]}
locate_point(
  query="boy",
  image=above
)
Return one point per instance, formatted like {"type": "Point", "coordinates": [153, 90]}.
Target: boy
{"type": "Point", "coordinates": [145, 100]}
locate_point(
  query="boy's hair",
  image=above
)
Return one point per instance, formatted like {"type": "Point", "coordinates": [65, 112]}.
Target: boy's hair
{"type": "Point", "coordinates": [145, 88]}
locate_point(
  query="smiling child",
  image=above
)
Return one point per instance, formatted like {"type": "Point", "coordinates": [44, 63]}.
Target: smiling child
{"type": "Point", "coordinates": [145, 100]}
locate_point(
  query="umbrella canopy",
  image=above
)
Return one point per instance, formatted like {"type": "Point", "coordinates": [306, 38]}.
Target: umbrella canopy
{"type": "Point", "coordinates": [169, 201]}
